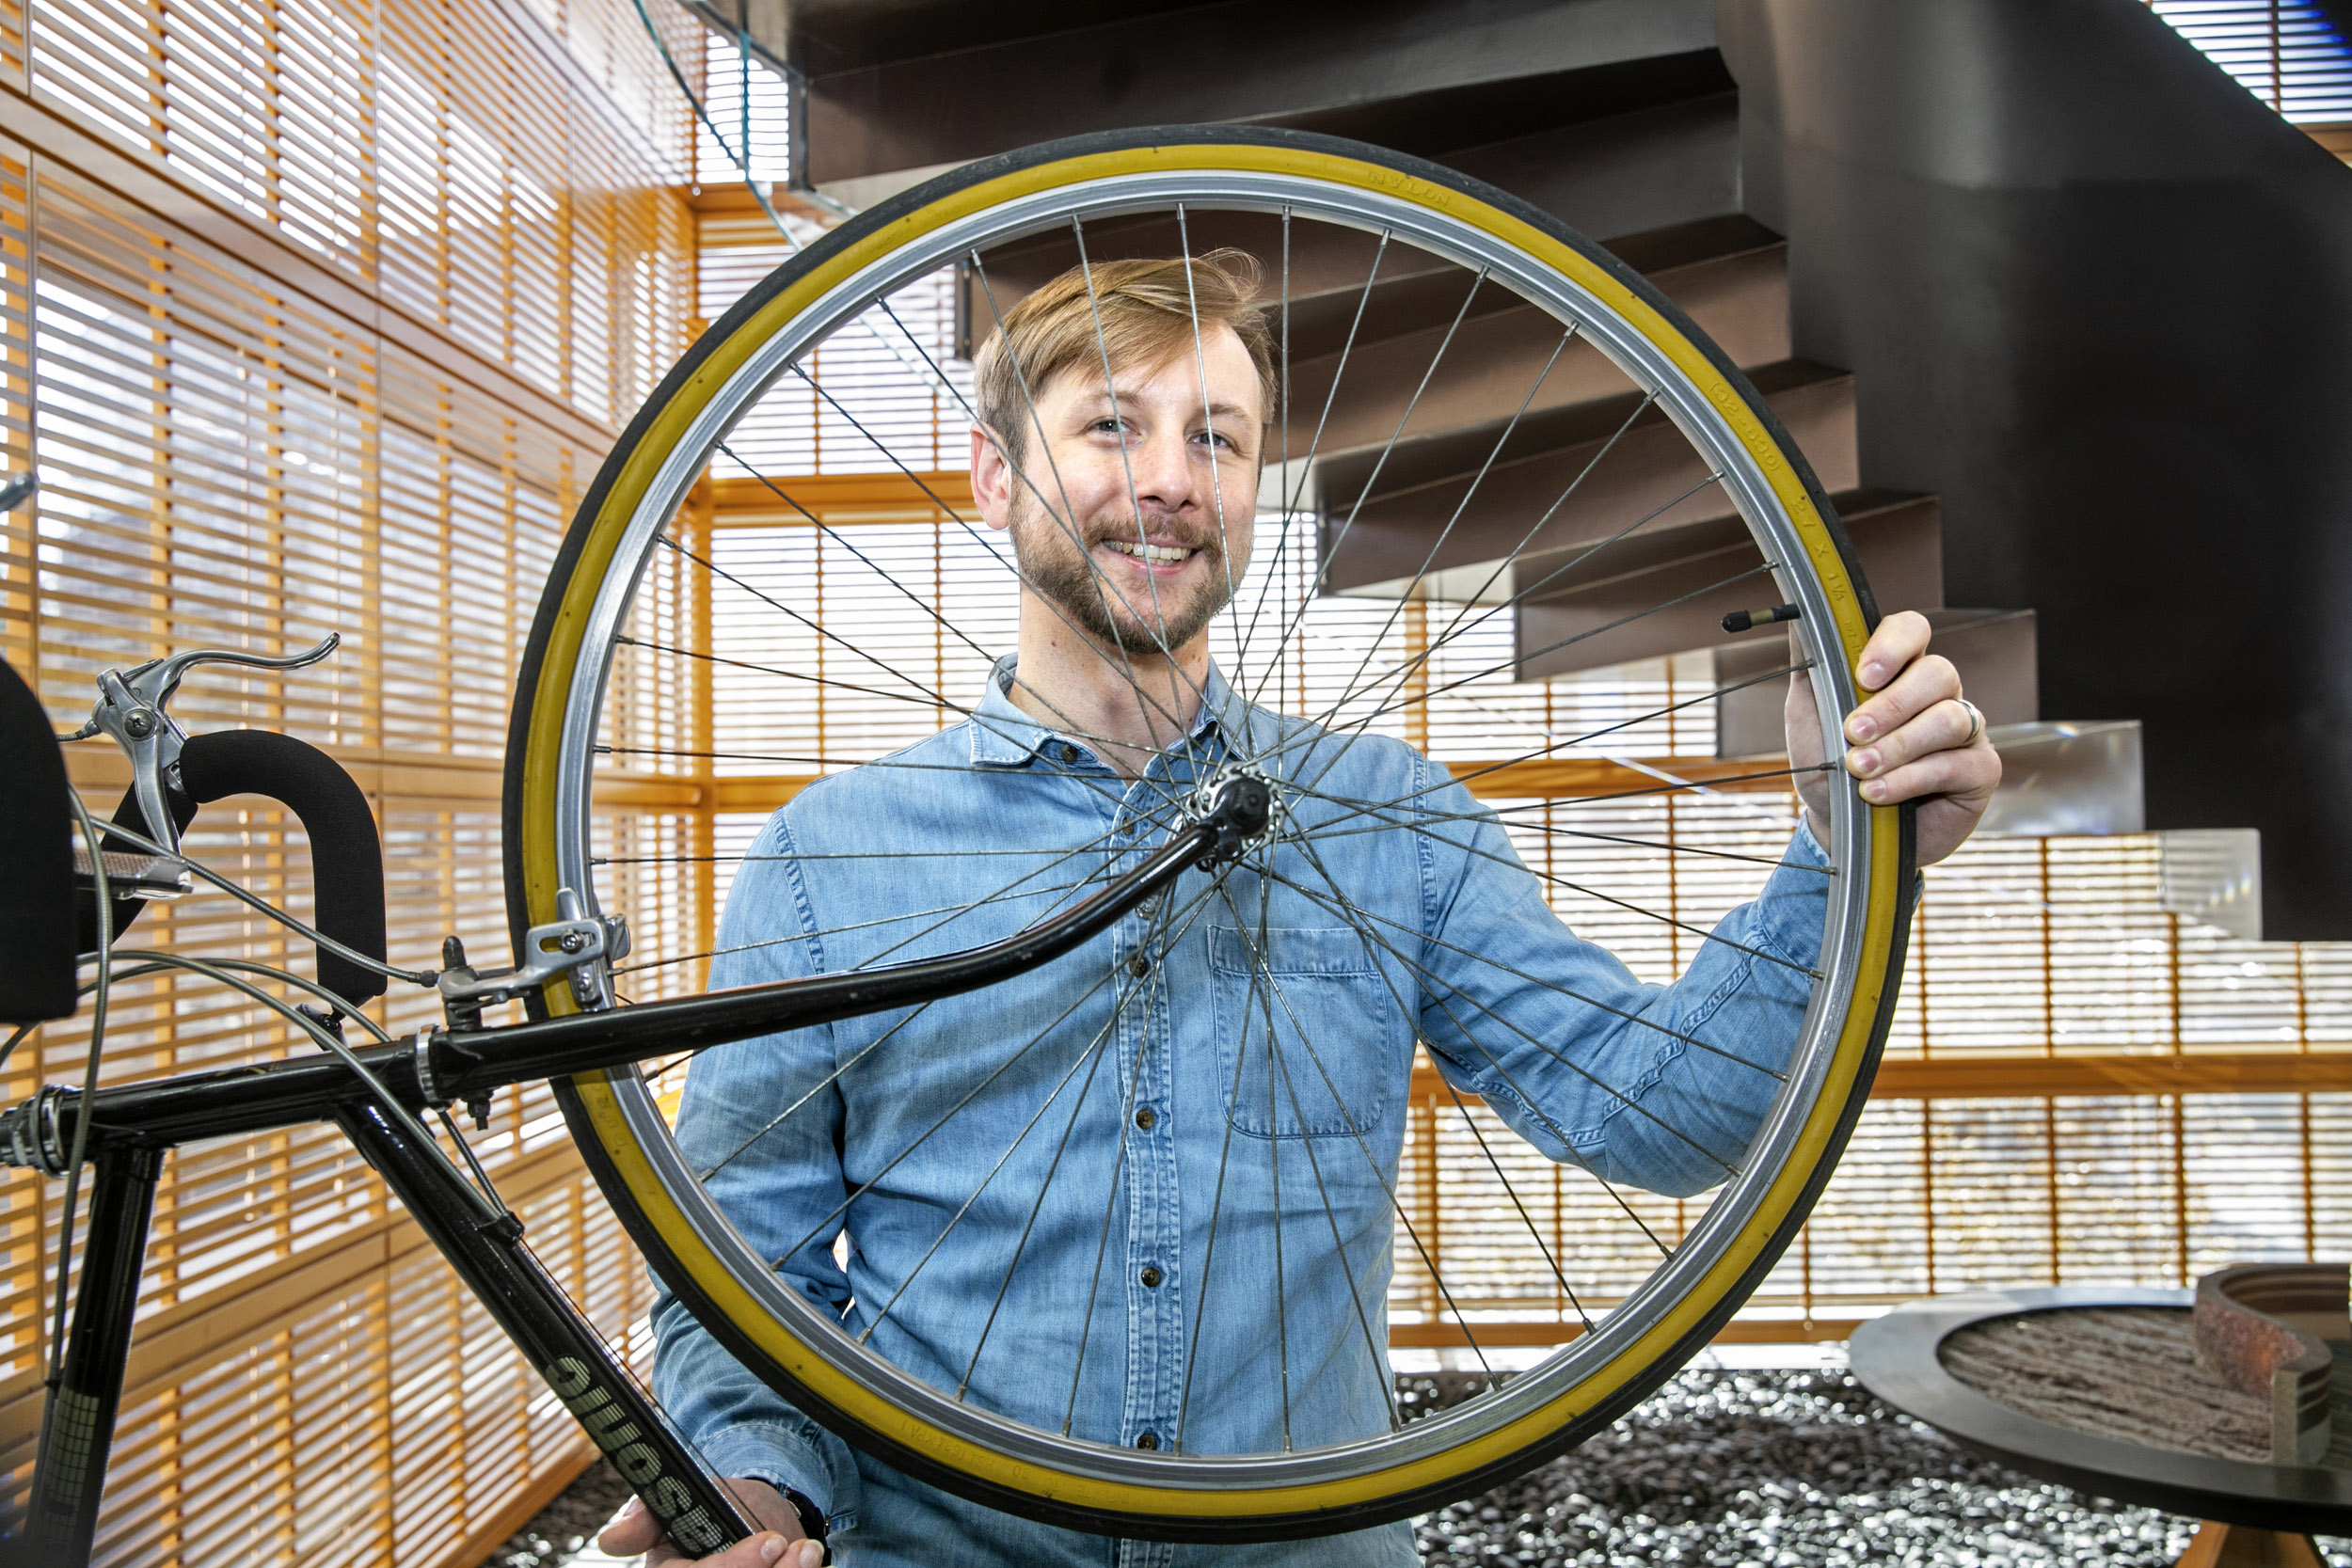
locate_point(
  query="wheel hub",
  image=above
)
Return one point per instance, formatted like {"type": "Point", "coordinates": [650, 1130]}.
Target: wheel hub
{"type": "Point", "coordinates": [1246, 807]}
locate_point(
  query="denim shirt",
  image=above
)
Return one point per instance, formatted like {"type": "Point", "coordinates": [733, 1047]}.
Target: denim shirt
{"type": "Point", "coordinates": [1175, 1155]}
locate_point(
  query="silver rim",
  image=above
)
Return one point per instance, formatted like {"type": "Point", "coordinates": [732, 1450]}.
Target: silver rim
{"type": "Point", "coordinates": [1728, 1213]}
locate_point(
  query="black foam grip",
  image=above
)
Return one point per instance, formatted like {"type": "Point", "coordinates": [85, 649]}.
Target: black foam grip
{"type": "Point", "coordinates": [36, 862]}
{"type": "Point", "coordinates": [346, 857]}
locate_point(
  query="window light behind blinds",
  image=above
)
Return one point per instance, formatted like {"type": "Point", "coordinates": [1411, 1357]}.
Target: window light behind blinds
{"type": "Point", "coordinates": [2287, 52]}
{"type": "Point", "coordinates": [337, 351]}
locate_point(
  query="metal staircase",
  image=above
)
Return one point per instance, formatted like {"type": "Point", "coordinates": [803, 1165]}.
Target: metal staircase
{"type": "Point", "coordinates": [2099, 470]}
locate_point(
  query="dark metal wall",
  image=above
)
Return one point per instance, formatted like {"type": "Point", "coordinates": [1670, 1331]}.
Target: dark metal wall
{"type": "Point", "coordinates": [2098, 299]}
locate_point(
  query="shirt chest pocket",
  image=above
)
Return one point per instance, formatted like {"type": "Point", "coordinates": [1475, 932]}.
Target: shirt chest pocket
{"type": "Point", "coordinates": [1309, 1043]}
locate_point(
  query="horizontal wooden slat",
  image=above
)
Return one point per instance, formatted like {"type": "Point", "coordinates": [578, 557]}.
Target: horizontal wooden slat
{"type": "Point", "coordinates": [740, 501]}
{"type": "Point", "coordinates": [1563, 779]}
{"type": "Point", "coordinates": [2206, 1069]}
{"type": "Point", "coordinates": [100, 766]}
{"type": "Point", "coordinates": [2258, 1069]}
{"type": "Point", "coordinates": [1584, 778]}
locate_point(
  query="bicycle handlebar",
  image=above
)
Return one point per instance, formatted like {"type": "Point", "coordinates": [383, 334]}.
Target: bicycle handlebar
{"type": "Point", "coordinates": [346, 856]}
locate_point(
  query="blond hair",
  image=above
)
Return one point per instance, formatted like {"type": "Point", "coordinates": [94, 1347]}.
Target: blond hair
{"type": "Point", "coordinates": [1145, 311]}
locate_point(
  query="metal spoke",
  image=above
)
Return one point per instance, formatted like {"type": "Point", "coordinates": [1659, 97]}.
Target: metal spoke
{"type": "Point", "coordinates": [844, 855]}
{"type": "Point", "coordinates": [1430, 978]}
{"type": "Point", "coordinates": [961, 910]}
{"type": "Point", "coordinates": [1552, 510]}
{"type": "Point", "coordinates": [1281, 545]}
{"type": "Point", "coordinates": [1048, 764]}
{"type": "Point", "coordinates": [1146, 704]}
{"type": "Point", "coordinates": [1126, 463]}
{"type": "Point", "coordinates": [1373, 943]}
{"type": "Point", "coordinates": [1216, 1211]}
{"type": "Point", "coordinates": [1404, 1009]}
{"type": "Point", "coordinates": [1021, 1245]}
{"type": "Point", "coordinates": [1274, 1178]}
{"type": "Point", "coordinates": [1118, 1167]}
{"type": "Point", "coordinates": [1311, 736]}
{"type": "Point", "coordinates": [1323, 566]}
{"type": "Point", "coordinates": [1200, 902]}
{"type": "Point", "coordinates": [920, 483]}
{"type": "Point", "coordinates": [818, 1087]}
{"type": "Point", "coordinates": [1091, 1052]}
{"type": "Point", "coordinates": [1514, 863]}
{"type": "Point", "coordinates": [1351, 912]}
{"type": "Point", "coordinates": [1384, 1182]}
{"type": "Point", "coordinates": [1675, 786]}
{"type": "Point", "coordinates": [1437, 545]}
{"type": "Point", "coordinates": [1430, 813]}
{"type": "Point", "coordinates": [930, 698]}
{"type": "Point", "coordinates": [1043, 1188]}
{"type": "Point", "coordinates": [1517, 659]}
{"type": "Point", "coordinates": [922, 697]}
{"type": "Point", "coordinates": [935, 698]}
{"type": "Point", "coordinates": [1559, 990]}
{"type": "Point", "coordinates": [1455, 629]}
{"type": "Point", "coordinates": [1716, 695]}
{"type": "Point", "coordinates": [1534, 1231]}
{"type": "Point", "coordinates": [1216, 478]}
{"type": "Point", "coordinates": [1339, 372]}
{"type": "Point", "coordinates": [836, 930]}
{"type": "Point", "coordinates": [1068, 724]}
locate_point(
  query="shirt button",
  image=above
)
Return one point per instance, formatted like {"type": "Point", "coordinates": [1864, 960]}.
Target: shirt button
{"type": "Point", "coordinates": [1149, 1440]}
{"type": "Point", "coordinates": [1144, 1118]}
{"type": "Point", "coordinates": [1069, 753]}
{"type": "Point", "coordinates": [1150, 1277]}
{"type": "Point", "coordinates": [1139, 966]}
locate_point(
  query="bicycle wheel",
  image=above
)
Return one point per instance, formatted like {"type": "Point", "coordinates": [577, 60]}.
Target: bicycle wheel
{"type": "Point", "coordinates": [1449, 584]}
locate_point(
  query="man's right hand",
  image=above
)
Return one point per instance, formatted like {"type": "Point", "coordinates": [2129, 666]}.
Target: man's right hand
{"type": "Point", "coordinates": [778, 1544]}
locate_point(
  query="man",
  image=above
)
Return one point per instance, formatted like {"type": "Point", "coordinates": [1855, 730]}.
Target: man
{"type": "Point", "coordinates": [1131, 516]}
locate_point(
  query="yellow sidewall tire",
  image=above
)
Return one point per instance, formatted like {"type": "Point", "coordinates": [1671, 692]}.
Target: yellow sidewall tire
{"type": "Point", "coordinates": [653, 1211]}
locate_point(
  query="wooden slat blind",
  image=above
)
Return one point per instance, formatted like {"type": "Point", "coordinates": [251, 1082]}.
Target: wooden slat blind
{"type": "Point", "coordinates": [2288, 53]}
{"type": "Point", "coordinates": [343, 359]}
{"type": "Point", "coordinates": [400, 268]}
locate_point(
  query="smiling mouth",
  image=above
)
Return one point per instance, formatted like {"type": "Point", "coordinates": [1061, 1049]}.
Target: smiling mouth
{"type": "Point", "coordinates": [1153, 555]}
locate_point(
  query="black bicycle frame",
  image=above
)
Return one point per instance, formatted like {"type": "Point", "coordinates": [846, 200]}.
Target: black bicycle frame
{"type": "Point", "coordinates": [132, 1126]}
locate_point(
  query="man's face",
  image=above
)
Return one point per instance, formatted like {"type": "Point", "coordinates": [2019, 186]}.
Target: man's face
{"type": "Point", "coordinates": [1160, 494]}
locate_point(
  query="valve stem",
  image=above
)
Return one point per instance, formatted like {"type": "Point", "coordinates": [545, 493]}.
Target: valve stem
{"type": "Point", "coordinates": [1741, 620]}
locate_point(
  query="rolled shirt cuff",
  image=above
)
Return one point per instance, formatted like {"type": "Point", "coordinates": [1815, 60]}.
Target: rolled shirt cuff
{"type": "Point", "coordinates": [783, 1458]}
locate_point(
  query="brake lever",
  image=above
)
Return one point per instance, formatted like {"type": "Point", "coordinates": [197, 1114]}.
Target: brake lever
{"type": "Point", "coordinates": [131, 710]}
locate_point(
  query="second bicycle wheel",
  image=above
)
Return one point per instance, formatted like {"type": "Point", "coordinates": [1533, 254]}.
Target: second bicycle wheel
{"type": "Point", "coordinates": [1132, 1243]}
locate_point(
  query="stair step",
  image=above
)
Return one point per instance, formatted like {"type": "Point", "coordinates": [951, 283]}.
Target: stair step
{"type": "Point", "coordinates": [1728, 274]}
{"type": "Point", "coordinates": [1665, 166]}
{"type": "Point", "coordinates": [1496, 358]}
{"type": "Point", "coordinates": [1432, 494]}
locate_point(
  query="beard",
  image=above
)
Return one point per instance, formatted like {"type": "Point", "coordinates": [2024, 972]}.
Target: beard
{"type": "Point", "coordinates": [1062, 570]}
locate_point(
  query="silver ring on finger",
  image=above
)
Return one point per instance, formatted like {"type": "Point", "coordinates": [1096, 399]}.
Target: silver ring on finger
{"type": "Point", "coordinates": [1976, 721]}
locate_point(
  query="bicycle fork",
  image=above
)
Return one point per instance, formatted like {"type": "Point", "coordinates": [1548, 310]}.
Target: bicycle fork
{"type": "Point", "coordinates": [485, 1246]}
{"type": "Point", "coordinates": [78, 1422]}
{"type": "Point", "coordinates": [482, 1242]}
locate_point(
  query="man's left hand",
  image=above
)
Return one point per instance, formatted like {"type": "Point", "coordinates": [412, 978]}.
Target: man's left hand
{"type": "Point", "coordinates": [1909, 740]}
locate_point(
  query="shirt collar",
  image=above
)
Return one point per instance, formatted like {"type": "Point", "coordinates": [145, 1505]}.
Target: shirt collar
{"type": "Point", "coordinates": [1005, 735]}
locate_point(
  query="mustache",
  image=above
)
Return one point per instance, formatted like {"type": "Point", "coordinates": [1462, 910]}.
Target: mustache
{"type": "Point", "coordinates": [1131, 530]}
